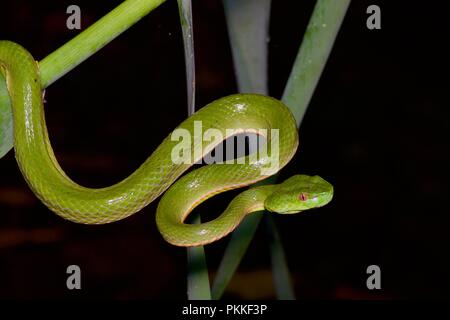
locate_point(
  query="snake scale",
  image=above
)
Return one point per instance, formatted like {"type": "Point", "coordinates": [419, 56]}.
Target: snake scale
{"type": "Point", "coordinates": [159, 174]}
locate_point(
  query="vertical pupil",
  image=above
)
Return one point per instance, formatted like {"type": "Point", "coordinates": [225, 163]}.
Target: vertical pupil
{"type": "Point", "coordinates": [302, 197]}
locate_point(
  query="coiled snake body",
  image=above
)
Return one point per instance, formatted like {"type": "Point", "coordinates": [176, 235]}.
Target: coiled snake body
{"type": "Point", "coordinates": [241, 112]}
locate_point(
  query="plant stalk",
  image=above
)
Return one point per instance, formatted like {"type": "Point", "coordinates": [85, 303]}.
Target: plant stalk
{"type": "Point", "coordinates": [74, 52]}
{"type": "Point", "coordinates": [91, 40]}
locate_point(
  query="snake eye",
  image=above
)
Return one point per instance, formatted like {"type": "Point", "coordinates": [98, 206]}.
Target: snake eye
{"type": "Point", "coordinates": [302, 197]}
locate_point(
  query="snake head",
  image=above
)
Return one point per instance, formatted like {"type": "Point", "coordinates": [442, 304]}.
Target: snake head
{"type": "Point", "coordinates": [299, 193]}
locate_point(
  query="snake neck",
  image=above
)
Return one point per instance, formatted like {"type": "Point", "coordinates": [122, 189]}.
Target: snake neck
{"type": "Point", "coordinates": [178, 233]}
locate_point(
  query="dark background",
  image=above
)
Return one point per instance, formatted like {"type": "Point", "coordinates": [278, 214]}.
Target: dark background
{"type": "Point", "coordinates": [377, 128]}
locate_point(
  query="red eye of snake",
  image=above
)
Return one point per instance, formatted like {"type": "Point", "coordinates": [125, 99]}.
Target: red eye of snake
{"type": "Point", "coordinates": [303, 197]}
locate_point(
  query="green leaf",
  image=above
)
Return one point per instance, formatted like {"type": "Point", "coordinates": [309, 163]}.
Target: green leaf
{"type": "Point", "coordinates": [185, 9]}
{"type": "Point", "coordinates": [280, 270]}
{"type": "Point", "coordinates": [313, 54]}
{"type": "Point", "coordinates": [238, 245]}
{"type": "Point", "coordinates": [248, 29]}
{"type": "Point", "coordinates": [197, 278]}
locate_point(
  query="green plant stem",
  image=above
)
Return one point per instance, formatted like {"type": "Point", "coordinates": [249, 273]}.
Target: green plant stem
{"type": "Point", "coordinates": [74, 52]}
{"type": "Point", "coordinates": [198, 287]}
{"type": "Point", "coordinates": [311, 59]}
{"type": "Point", "coordinates": [280, 270]}
{"type": "Point", "coordinates": [197, 279]}
{"type": "Point", "coordinates": [248, 29]}
{"type": "Point", "coordinates": [185, 10]}
{"type": "Point", "coordinates": [313, 54]}
{"type": "Point", "coordinates": [236, 248]}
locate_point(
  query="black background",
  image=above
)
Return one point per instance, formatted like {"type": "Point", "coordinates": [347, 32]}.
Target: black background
{"type": "Point", "coordinates": [377, 128]}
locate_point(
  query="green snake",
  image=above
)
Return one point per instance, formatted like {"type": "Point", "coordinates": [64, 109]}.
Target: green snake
{"type": "Point", "coordinates": [242, 113]}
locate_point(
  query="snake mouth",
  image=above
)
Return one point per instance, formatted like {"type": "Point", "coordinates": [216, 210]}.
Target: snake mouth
{"type": "Point", "coordinates": [290, 212]}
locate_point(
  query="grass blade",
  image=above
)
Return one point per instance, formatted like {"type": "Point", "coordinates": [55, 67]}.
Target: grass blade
{"type": "Point", "coordinates": [198, 287]}
{"type": "Point", "coordinates": [248, 29]}
{"type": "Point", "coordinates": [185, 9]}
{"type": "Point", "coordinates": [280, 270]}
{"type": "Point", "coordinates": [88, 42]}
{"type": "Point", "coordinates": [197, 278]}
{"type": "Point", "coordinates": [311, 59]}
{"type": "Point", "coordinates": [239, 242]}
{"type": "Point", "coordinates": [313, 54]}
